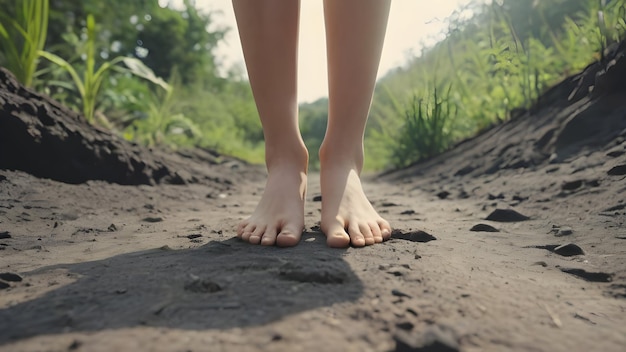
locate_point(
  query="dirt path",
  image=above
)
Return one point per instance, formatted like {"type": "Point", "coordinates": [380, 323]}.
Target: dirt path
{"type": "Point", "coordinates": [108, 267]}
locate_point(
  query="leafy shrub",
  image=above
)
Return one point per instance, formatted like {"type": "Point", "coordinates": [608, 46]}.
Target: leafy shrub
{"type": "Point", "coordinates": [88, 86]}
{"type": "Point", "coordinates": [161, 121]}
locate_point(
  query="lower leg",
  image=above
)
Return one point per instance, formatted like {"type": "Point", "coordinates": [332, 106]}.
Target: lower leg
{"type": "Point", "coordinates": [355, 31]}
{"type": "Point", "coordinates": [269, 33]}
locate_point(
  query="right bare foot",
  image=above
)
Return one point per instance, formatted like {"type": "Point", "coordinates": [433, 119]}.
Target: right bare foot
{"type": "Point", "coordinates": [348, 218]}
{"type": "Point", "coordinates": [279, 217]}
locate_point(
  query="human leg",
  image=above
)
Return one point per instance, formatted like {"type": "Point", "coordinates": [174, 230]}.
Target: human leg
{"type": "Point", "coordinates": [355, 31]}
{"type": "Point", "coordinates": [269, 34]}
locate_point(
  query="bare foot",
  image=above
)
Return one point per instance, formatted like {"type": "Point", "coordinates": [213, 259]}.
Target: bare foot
{"type": "Point", "coordinates": [347, 215]}
{"type": "Point", "coordinates": [279, 216]}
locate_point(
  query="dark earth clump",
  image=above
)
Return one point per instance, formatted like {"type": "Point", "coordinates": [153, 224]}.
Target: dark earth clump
{"type": "Point", "coordinates": [483, 228]}
{"type": "Point", "coordinates": [619, 170]}
{"type": "Point", "coordinates": [506, 215]}
{"type": "Point", "coordinates": [565, 250]}
{"type": "Point", "coordinates": [11, 277]}
{"type": "Point", "coordinates": [413, 236]}
{"type": "Point", "coordinates": [152, 219]}
{"type": "Point", "coordinates": [572, 185]}
{"type": "Point", "coordinates": [569, 250]}
{"type": "Point", "coordinates": [443, 194]}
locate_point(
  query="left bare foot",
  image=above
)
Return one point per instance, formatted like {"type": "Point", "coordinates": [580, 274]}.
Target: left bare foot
{"type": "Point", "coordinates": [347, 215]}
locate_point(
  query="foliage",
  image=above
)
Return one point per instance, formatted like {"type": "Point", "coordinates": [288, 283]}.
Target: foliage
{"type": "Point", "coordinates": [499, 60]}
{"type": "Point", "coordinates": [163, 38]}
{"type": "Point", "coordinates": [186, 45]}
{"type": "Point", "coordinates": [161, 123]}
{"type": "Point", "coordinates": [427, 129]}
{"type": "Point", "coordinates": [88, 86]}
{"type": "Point", "coordinates": [225, 115]}
{"type": "Point", "coordinates": [22, 36]}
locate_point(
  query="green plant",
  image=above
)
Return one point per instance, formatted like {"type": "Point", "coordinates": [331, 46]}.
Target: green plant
{"type": "Point", "coordinates": [611, 22]}
{"type": "Point", "coordinates": [89, 84]}
{"type": "Point", "coordinates": [428, 127]}
{"type": "Point", "coordinates": [22, 37]}
{"type": "Point", "coordinates": [162, 122]}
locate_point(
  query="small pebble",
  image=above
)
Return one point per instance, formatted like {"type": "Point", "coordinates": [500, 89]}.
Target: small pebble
{"type": "Point", "coordinates": [568, 250]}
{"type": "Point", "coordinates": [10, 277]}
{"type": "Point", "coordinates": [506, 215]}
{"type": "Point", "coordinates": [483, 228]}
{"type": "Point", "coordinates": [564, 231]}
{"type": "Point", "coordinates": [399, 293]}
{"type": "Point", "coordinates": [152, 219]}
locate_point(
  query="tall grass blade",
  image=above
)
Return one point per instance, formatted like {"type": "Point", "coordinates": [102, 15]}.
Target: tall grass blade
{"type": "Point", "coordinates": [22, 37]}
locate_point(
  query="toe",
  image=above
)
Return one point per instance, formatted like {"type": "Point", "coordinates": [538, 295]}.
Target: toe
{"type": "Point", "coordinates": [240, 228]}
{"type": "Point", "coordinates": [367, 234]}
{"type": "Point", "coordinates": [385, 229]}
{"type": "Point", "coordinates": [378, 237]}
{"type": "Point", "coordinates": [255, 238]}
{"type": "Point", "coordinates": [247, 232]}
{"type": "Point", "coordinates": [356, 237]}
{"type": "Point", "coordinates": [269, 237]}
{"type": "Point", "coordinates": [288, 238]}
{"type": "Point", "coordinates": [336, 236]}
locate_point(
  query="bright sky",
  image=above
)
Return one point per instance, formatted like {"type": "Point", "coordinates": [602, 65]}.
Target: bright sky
{"type": "Point", "coordinates": [411, 23]}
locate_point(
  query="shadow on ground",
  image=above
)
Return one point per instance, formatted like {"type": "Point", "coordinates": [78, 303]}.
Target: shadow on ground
{"type": "Point", "coordinates": [221, 285]}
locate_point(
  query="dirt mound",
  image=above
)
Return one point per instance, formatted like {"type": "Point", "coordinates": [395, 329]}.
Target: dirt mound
{"type": "Point", "coordinates": [41, 137]}
{"type": "Point", "coordinates": [583, 114]}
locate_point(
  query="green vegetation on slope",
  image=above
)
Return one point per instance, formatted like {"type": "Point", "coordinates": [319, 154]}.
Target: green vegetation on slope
{"type": "Point", "coordinates": [497, 60]}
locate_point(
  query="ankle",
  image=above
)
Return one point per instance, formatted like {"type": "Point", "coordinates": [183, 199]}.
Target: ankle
{"type": "Point", "coordinates": [341, 154]}
{"type": "Point", "coordinates": [287, 155]}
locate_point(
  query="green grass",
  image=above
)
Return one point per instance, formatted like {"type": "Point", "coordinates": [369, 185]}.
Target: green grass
{"type": "Point", "coordinates": [162, 121]}
{"type": "Point", "coordinates": [22, 37]}
{"type": "Point", "coordinates": [427, 127]}
{"type": "Point", "coordinates": [491, 64]}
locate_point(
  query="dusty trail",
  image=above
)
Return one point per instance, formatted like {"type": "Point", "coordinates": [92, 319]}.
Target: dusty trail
{"type": "Point", "coordinates": [108, 266]}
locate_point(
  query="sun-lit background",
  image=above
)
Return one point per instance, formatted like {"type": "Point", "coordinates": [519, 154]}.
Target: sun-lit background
{"type": "Point", "coordinates": [412, 23]}
{"type": "Point", "coordinates": [449, 68]}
